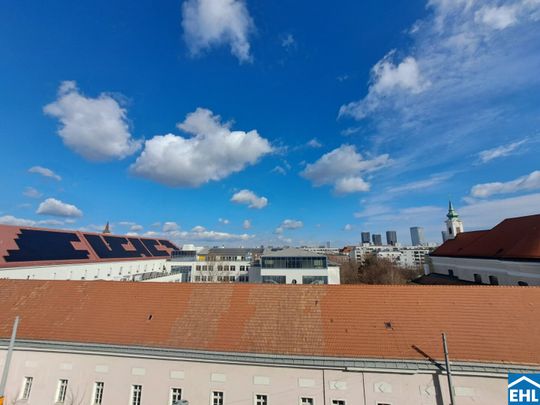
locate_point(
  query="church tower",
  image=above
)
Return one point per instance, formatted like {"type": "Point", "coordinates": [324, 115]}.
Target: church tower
{"type": "Point", "coordinates": [454, 225]}
{"type": "Point", "coordinates": [107, 228]}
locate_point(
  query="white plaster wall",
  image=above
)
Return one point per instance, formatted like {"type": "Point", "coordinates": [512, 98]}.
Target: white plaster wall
{"type": "Point", "coordinates": [116, 270]}
{"type": "Point", "coordinates": [507, 272]}
{"type": "Point", "coordinates": [240, 383]}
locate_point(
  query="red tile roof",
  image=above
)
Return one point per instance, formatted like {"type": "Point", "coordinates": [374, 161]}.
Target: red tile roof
{"type": "Point", "coordinates": [483, 323]}
{"type": "Point", "coordinates": [514, 238]}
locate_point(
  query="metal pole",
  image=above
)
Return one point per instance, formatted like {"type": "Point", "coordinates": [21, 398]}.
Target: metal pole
{"type": "Point", "coordinates": [8, 357]}
{"type": "Point", "coordinates": [448, 370]}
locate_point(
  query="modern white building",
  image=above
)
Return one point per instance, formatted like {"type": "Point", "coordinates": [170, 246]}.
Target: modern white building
{"type": "Point", "coordinates": [508, 254]}
{"type": "Point", "coordinates": [294, 266]}
{"type": "Point", "coordinates": [404, 256]}
{"type": "Point", "coordinates": [110, 343]}
{"type": "Point", "coordinates": [53, 254]}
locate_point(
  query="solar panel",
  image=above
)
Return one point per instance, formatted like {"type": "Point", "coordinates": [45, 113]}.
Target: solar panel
{"type": "Point", "coordinates": [39, 245]}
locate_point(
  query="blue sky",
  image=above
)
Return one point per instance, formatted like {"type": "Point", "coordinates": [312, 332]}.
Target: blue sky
{"type": "Point", "coordinates": [240, 122]}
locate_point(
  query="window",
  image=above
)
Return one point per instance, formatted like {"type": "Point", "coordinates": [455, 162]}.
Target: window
{"type": "Point", "coordinates": [451, 272]}
{"type": "Point", "coordinates": [233, 268]}
{"type": "Point", "coordinates": [306, 401]}
{"type": "Point", "coordinates": [314, 280]}
{"type": "Point", "coordinates": [98, 392]}
{"type": "Point", "coordinates": [176, 395]}
{"type": "Point", "coordinates": [478, 278]}
{"type": "Point", "coordinates": [523, 283]}
{"type": "Point", "coordinates": [27, 387]}
{"type": "Point", "coordinates": [338, 402]}
{"type": "Point", "coordinates": [217, 398]}
{"type": "Point", "coordinates": [383, 403]}
{"type": "Point", "coordinates": [61, 391]}
{"type": "Point", "coordinates": [136, 394]}
{"type": "Point", "coordinates": [493, 280]}
{"type": "Point", "coordinates": [261, 399]}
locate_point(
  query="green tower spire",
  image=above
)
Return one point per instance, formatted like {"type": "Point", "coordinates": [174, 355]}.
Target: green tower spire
{"type": "Point", "coordinates": [451, 211]}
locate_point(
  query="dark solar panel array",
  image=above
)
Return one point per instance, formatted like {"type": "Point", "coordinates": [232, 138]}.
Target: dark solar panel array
{"type": "Point", "coordinates": [37, 245]}
{"type": "Point", "coordinates": [168, 244]}
{"type": "Point", "coordinates": [151, 246]}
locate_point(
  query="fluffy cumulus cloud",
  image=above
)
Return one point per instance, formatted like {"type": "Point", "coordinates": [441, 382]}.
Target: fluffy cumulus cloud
{"type": "Point", "coordinates": [249, 198]}
{"type": "Point", "coordinates": [524, 183]}
{"type": "Point", "coordinates": [170, 226]}
{"type": "Point", "coordinates": [314, 143]}
{"type": "Point", "coordinates": [209, 23]}
{"type": "Point", "coordinates": [348, 227]}
{"type": "Point", "coordinates": [343, 168]}
{"type": "Point", "coordinates": [95, 128]}
{"type": "Point", "coordinates": [52, 206]}
{"type": "Point", "coordinates": [224, 221]}
{"type": "Point", "coordinates": [43, 171]}
{"type": "Point", "coordinates": [12, 220]}
{"type": "Point", "coordinates": [213, 152]}
{"type": "Point", "coordinates": [289, 224]}
{"type": "Point", "coordinates": [246, 224]}
{"type": "Point", "coordinates": [500, 151]}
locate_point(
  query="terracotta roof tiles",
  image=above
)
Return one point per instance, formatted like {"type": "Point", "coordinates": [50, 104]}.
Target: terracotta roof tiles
{"type": "Point", "coordinates": [483, 323]}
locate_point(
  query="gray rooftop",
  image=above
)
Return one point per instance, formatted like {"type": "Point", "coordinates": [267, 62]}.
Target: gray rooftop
{"type": "Point", "coordinates": [290, 252]}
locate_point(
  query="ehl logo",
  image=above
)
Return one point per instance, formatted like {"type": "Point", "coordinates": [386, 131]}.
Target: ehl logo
{"type": "Point", "coordinates": [524, 389]}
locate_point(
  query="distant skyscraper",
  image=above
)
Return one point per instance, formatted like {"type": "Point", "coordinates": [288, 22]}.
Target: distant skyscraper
{"type": "Point", "coordinates": [377, 239]}
{"type": "Point", "coordinates": [391, 237]}
{"type": "Point", "coordinates": [417, 236]}
{"type": "Point", "coordinates": [366, 237]}
{"type": "Point", "coordinates": [328, 245]}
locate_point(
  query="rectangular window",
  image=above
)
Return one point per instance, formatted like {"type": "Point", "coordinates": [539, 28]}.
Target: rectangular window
{"type": "Point", "coordinates": [98, 392]}
{"type": "Point", "coordinates": [338, 402]}
{"type": "Point", "coordinates": [306, 401]}
{"type": "Point", "coordinates": [217, 398]}
{"type": "Point", "coordinates": [233, 268]}
{"type": "Point", "coordinates": [261, 399]}
{"type": "Point", "coordinates": [27, 387]}
{"type": "Point", "coordinates": [61, 392]}
{"type": "Point", "coordinates": [136, 394]}
{"type": "Point", "coordinates": [493, 280]}
{"type": "Point", "coordinates": [176, 395]}
{"type": "Point", "coordinates": [477, 278]}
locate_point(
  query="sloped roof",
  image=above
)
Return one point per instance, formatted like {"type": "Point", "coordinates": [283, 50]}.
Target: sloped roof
{"type": "Point", "coordinates": [513, 238]}
{"type": "Point", "coordinates": [483, 323]}
{"type": "Point", "coordinates": [31, 246]}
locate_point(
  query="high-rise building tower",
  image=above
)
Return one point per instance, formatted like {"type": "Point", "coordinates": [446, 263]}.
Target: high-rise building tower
{"type": "Point", "coordinates": [454, 225]}
{"type": "Point", "coordinates": [377, 239]}
{"type": "Point", "coordinates": [366, 238]}
{"type": "Point", "coordinates": [391, 238]}
{"type": "Point", "coordinates": [417, 236]}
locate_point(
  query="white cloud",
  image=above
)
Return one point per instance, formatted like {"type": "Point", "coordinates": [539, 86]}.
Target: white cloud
{"type": "Point", "coordinates": [500, 151]}
{"type": "Point", "coordinates": [136, 228]}
{"type": "Point", "coordinates": [343, 168]}
{"type": "Point", "coordinates": [224, 221]}
{"type": "Point", "coordinates": [387, 78]}
{"type": "Point", "coordinates": [446, 82]}
{"type": "Point", "coordinates": [209, 23]}
{"type": "Point", "coordinates": [250, 198]}
{"type": "Point", "coordinates": [11, 220]}
{"type": "Point", "coordinates": [347, 185]}
{"type": "Point", "coordinates": [279, 170]}
{"type": "Point", "coordinates": [44, 172]}
{"type": "Point", "coordinates": [497, 17]}
{"type": "Point", "coordinates": [424, 184]}
{"type": "Point", "coordinates": [246, 224]}
{"type": "Point", "coordinates": [212, 153]}
{"type": "Point", "coordinates": [314, 143]}
{"type": "Point", "coordinates": [348, 227]}
{"type": "Point", "coordinates": [524, 183]}
{"type": "Point", "coordinates": [486, 214]}
{"type": "Point", "coordinates": [288, 42]}
{"type": "Point", "coordinates": [289, 224]}
{"type": "Point", "coordinates": [201, 234]}
{"type": "Point", "coordinates": [52, 206]}
{"type": "Point", "coordinates": [95, 128]}
{"type": "Point", "coordinates": [170, 226]}
{"type": "Point", "coordinates": [32, 192]}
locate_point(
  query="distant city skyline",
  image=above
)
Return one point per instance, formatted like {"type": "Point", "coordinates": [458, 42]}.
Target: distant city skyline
{"type": "Point", "coordinates": [237, 124]}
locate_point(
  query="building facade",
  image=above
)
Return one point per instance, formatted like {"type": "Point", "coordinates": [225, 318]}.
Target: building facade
{"type": "Point", "coordinates": [245, 344]}
{"type": "Point", "coordinates": [417, 236]}
{"type": "Point", "coordinates": [377, 239]}
{"type": "Point", "coordinates": [294, 266]}
{"type": "Point", "coordinates": [508, 254]}
{"type": "Point", "coordinates": [366, 237]}
{"type": "Point", "coordinates": [391, 238]}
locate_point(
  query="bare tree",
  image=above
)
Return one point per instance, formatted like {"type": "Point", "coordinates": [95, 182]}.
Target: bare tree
{"type": "Point", "coordinates": [376, 270]}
